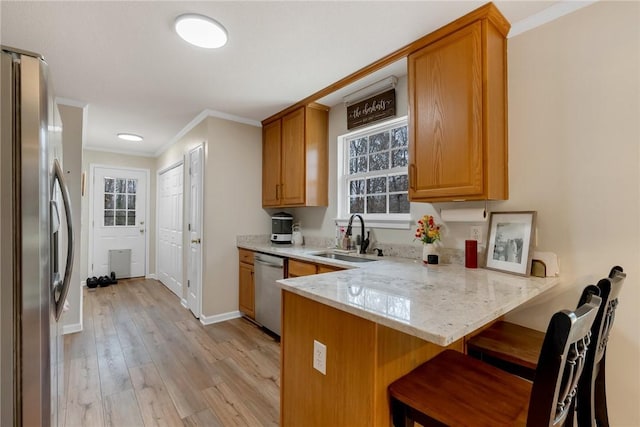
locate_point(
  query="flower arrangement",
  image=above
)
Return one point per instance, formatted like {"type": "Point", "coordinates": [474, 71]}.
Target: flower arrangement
{"type": "Point", "coordinates": [428, 231]}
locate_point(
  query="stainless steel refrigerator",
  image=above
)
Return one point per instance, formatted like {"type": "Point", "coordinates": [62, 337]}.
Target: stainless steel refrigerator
{"type": "Point", "coordinates": [36, 244]}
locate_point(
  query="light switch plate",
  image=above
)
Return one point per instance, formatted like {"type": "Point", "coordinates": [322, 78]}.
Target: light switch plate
{"type": "Point", "coordinates": [320, 357]}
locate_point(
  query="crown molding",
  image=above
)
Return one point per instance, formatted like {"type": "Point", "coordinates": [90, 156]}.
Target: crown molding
{"type": "Point", "coordinates": [547, 15]}
{"type": "Point", "coordinates": [198, 119]}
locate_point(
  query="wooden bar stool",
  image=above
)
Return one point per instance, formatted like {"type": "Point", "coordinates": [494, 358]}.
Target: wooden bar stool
{"type": "Point", "coordinates": [453, 389]}
{"type": "Point", "coordinates": [516, 349]}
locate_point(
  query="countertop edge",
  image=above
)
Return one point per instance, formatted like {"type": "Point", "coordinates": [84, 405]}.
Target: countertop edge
{"type": "Point", "coordinates": [441, 340]}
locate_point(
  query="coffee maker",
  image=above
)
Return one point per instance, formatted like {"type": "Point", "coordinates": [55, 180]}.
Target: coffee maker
{"type": "Point", "coordinates": [281, 228]}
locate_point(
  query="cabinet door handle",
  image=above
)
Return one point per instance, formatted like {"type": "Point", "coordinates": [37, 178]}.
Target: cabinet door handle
{"type": "Point", "coordinates": [412, 176]}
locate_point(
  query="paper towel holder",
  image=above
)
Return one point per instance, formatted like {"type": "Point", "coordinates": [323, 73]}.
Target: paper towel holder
{"type": "Point", "coordinates": [464, 215]}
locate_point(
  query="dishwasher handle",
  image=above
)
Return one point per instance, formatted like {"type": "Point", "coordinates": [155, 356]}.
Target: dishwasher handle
{"type": "Point", "coordinates": [266, 263]}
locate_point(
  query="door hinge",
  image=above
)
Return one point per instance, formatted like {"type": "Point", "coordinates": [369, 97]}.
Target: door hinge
{"type": "Point", "coordinates": [188, 283]}
{"type": "Point", "coordinates": [189, 227]}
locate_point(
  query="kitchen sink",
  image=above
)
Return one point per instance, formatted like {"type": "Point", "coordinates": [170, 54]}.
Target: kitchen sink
{"type": "Point", "coordinates": [342, 257]}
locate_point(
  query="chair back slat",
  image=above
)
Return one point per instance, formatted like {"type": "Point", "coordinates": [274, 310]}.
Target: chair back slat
{"type": "Point", "coordinates": [609, 291]}
{"type": "Point", "coordinates": [562, 361]}
{"type": "Point", "coordinates": [591, 401]}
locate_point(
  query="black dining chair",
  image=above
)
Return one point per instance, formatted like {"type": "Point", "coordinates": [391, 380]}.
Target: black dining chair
{"type": "Point", "coordinates": [454, 389]}
{"type": "Point", "coordinates": [516, 349]}
{"type": "Point", "coordinates": [591, 406]}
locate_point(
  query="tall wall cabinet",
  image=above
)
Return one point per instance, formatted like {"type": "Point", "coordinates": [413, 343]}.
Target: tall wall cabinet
{"type": "Point", "coordinates": [295, 158]}
{"type": "Point", "coordinates": [458, 111]}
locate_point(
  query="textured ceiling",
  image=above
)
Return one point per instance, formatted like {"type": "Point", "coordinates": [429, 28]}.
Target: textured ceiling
{"type": "Point", "coordinates": [124, 61]}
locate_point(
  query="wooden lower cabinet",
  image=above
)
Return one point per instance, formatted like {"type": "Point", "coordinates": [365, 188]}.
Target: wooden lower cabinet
{"type": "Point", "coordinates": [363, 358]}
{"type": "Point", "coordinates": [303, 268]}
{"type": "Point", "coordinates": [246, 284]}
{"type": "Point", "coordinates": [322, 268]}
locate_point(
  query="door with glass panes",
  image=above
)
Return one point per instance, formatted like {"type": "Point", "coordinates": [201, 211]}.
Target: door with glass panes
{"type": "Point", "coordinates": [118, 219]}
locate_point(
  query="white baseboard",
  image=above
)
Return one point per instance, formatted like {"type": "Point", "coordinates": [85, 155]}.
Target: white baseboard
{"type": "Point", "coordinates": [184, 303]}
{"type": "Point", "coordinates": [150, 276]}
{"type": "Point", "coordinates": [83, 284]}
{"type": "Point", "coordinates": [71, 329]}
{"type": "Point", "coordinates": [210, 320]}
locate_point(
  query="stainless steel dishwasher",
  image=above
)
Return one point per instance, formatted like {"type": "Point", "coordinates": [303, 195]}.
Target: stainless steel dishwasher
{"type": "Point", "coordinates": [268, 269]}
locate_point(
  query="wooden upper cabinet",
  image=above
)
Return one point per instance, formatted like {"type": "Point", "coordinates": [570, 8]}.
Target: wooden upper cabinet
{"type": "Point", "coordinates": [295, 158]}
{"type": "Point", "coordinates": [271, 163]}
{"type": "Point", "coordinates": [457, 116]}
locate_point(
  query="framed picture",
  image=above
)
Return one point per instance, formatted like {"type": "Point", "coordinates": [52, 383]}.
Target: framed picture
{"type": "Point", "coordinates": [509, 247]}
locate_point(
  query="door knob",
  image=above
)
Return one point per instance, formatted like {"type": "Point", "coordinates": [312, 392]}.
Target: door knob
{"type": "Point", "coordinates": [196, 241]}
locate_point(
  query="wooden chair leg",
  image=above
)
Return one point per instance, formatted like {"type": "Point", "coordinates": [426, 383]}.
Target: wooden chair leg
{"type": "Point", "coordinates": [400, 414]}
{"type": "Point", "coordinates": [600, 398]}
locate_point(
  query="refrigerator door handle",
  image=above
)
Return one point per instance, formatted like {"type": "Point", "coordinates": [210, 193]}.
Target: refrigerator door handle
{"type": "Point", "coordinates": [64, 289]}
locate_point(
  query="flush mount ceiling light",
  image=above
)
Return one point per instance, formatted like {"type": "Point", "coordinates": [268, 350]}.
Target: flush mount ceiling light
{"type": "Point", "coordinates": [130, 137]}
{"type": "Point", "coordinates": [201, 31]}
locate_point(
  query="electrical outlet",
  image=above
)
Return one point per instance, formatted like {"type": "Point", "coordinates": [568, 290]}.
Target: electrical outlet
{"type": "Point", "coordinates": [475, 233]}
{"type": "Point", "coordinates": [320, 357]}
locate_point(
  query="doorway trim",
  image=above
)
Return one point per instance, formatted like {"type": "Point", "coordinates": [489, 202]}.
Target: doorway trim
{"type": "Point", "coordinates": [90, 185]}
{"type": "Point", "coordinates": [200, 147]}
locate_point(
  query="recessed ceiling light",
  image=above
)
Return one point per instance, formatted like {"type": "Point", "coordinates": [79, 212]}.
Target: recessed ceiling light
{"type": "Point", "coordinates": [201, 31]}
{"type": "Point", "coordinates": [130, 137]}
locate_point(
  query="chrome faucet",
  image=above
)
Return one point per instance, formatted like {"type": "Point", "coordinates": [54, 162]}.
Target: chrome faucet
{"type": "Point", "coordinates": [364, 243]}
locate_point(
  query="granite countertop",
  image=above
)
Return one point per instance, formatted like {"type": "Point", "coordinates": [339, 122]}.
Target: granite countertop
{"type": "Point", "coordinates": [307, 253]}
{"type": "Point", "coordinates": [439, 304]}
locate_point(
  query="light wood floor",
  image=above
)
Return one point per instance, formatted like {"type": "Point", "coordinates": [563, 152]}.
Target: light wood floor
{"type": "Point", "coordinates": [144, 360]}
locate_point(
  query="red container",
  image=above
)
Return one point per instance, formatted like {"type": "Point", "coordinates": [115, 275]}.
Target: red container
{"type": "Point", "coordinates": [471, 253]}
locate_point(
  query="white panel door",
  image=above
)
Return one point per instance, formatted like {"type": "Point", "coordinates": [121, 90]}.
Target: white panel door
{"type": "Point", "coordinates": [194, 274]}
{"type": "Point", "coordinates": [170, 208]}
{"type": "Point", "coordinates": [119, 218]}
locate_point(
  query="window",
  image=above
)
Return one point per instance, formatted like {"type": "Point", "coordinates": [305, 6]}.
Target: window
{"type": "Point", "coordinates": [372, 177]}
{"type": "Point", "coordinates": [120, 202]}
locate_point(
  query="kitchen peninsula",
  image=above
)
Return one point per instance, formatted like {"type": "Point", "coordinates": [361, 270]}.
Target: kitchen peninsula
{"type": "Point", "coordinates": [378, 320]}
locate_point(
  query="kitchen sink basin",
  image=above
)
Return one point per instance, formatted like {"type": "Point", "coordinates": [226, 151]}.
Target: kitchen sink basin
{"type": "Point", "coordinates": [342, 257]}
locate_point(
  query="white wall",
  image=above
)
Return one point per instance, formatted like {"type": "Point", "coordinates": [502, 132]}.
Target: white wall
{"type": "Point", "coordinates": [72, 123]}
{"type": "Point", "coordinates": [574, 104]}
{"type": "Point", "coordinates": [232, 203]}
{"type": "Point", "coordinates": [114, 159]}
{"type": "Point", "coordinates": [574, 157]}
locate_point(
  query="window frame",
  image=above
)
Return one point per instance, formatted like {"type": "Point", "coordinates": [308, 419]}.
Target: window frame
{"type": "Point", "coordinates": [127, 209]}
{"type": "Point", "coordinates": [379, 220]}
